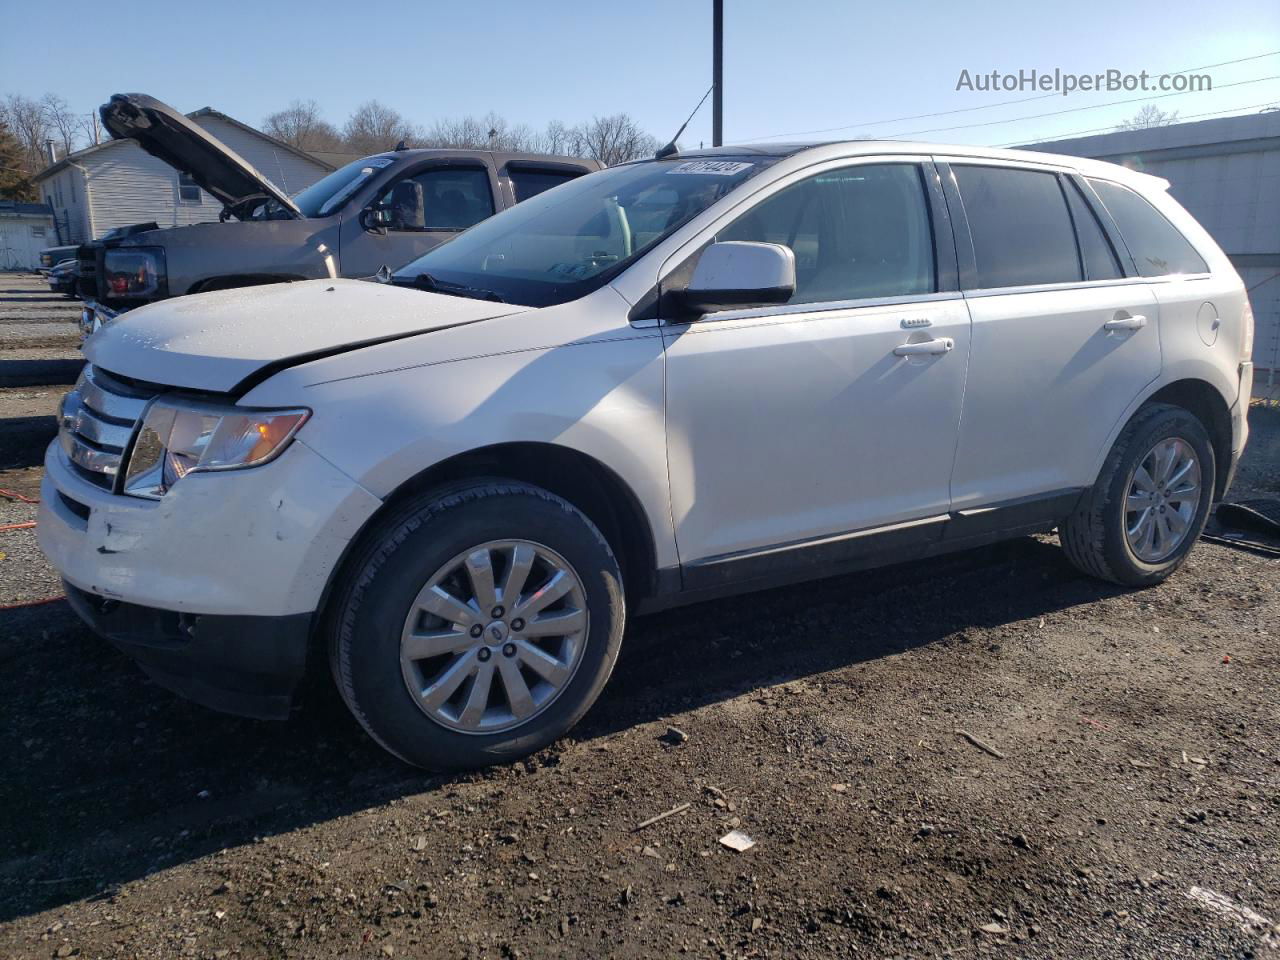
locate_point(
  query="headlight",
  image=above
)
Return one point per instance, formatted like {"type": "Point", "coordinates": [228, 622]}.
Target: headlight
{"type": "Point", "coordinates": [133, 273]}
{"type": "Point", "coordinates": [180, 438]}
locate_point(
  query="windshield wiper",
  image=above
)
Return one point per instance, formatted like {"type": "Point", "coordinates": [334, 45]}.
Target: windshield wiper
{"type": "Point", "coordinates": [425, 281]}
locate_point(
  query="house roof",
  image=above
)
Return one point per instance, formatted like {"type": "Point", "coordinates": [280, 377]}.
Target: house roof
{"type": "Point", "coordinates": [334, 160]}
{"type": "Point", "coordinates": [195, 114]}
{"type": "Point", "coordinates": [12, 208]}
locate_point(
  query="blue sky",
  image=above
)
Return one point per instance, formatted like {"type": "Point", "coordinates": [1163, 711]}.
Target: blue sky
{"type": "Point", "coordinates": [796, 66]}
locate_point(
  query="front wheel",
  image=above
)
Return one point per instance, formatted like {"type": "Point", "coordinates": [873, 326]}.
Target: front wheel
{"type": "Point", "coordinates": [479, 626]}
{"type": "Point", "coordinates": [1150, 503]}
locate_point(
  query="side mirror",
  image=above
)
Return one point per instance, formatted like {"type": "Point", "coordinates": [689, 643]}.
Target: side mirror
{"type": "Point", "coordinates": [734, 275]}
{"type": "Point", "coordinates": [376, 219]}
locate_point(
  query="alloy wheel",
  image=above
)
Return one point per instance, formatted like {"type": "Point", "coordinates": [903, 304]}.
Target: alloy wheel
{"type": "Point", "coordinates": [494, 637]}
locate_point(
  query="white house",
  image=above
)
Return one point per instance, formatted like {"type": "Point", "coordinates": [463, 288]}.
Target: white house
{"type": "Point", "coordinates": [117, 183]}
{"type": "Point", "coordinates": [25, 230]}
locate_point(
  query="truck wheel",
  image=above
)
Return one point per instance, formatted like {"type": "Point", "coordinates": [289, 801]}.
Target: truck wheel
{"type": "Point", "coordinates": [478, 625]}
{"type": "Point", "coordinates": [1150, 504]}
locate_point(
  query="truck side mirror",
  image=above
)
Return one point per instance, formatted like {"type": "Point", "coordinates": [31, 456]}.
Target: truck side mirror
{"type": "Point", "coordinates": [376, 219]}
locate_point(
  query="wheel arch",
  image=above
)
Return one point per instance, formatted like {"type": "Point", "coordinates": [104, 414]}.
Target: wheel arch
{"type": "Point", "coordinates": [1205, 401]}
{"type": "Point", "coordinates": [235, 281]}
{"type": "Point", "coordinates": [582, 480]}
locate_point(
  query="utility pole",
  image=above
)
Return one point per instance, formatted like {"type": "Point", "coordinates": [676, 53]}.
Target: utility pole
{"type": "Point", "coordinates": [717, 73]}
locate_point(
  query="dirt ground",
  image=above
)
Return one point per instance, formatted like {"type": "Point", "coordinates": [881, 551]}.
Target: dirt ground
{"type": "Point", "coordinates": [1134, 764]}
{"type": "Point", "coordinates": [34, 321]}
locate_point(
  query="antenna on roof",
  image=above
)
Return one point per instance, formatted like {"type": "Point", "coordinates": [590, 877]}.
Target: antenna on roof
{"type": "Point", "coordinates": [671, 149]}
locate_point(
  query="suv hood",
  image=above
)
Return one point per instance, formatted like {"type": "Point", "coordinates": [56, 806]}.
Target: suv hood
{"type": "Point", "coordinates": [225, 342]}
{"type": "Point", "coordinates": [165, 133]}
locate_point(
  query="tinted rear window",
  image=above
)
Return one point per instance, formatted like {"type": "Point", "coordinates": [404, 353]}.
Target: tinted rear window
{"type": "Point", "coordinates": [528, 182]}
{"type": "Point", "coordinates": [1021, 229]}
{"type": "Point", "coordinates": [1155, 243]}
{"type": "Point", "coordinates": [1100, 262]}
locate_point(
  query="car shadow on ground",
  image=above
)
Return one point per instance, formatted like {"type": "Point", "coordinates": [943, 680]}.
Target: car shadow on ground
{"type": "Point", "coordinates": [109, 778]}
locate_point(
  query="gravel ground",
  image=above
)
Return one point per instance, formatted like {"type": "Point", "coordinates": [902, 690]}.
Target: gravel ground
{"type": "Point", "coordinates": [1134, 764]}
{"type": "Point", "coordinates": [35, 321]}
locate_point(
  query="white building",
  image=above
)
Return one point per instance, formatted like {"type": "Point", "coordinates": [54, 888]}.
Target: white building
{"type": "Point", "coordinates": [1226, 172]}
{"type": "Point", "coordinates": [25, 230]}
{"type": "Point", "coordinates": [117, 183]}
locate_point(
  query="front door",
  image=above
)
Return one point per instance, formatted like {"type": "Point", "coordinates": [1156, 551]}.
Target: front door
{"type": "Point", "coordinates": [831, 420]}
{"type": "Point", "coordinates": [427, 207]}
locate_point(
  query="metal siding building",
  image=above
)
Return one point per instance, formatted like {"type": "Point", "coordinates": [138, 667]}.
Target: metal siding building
{"type": "Point", "coordinates": [117, 183]}
{"type": "Point", "coordinates": [25, 230]}
{"type": "Point", "coordinates": [1226, 172]}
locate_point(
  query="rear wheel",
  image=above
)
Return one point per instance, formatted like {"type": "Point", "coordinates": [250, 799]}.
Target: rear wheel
{"type": "Point", "coordinates": [480, 625]}
{"type": "Point", "coordinates": [1150, 503]}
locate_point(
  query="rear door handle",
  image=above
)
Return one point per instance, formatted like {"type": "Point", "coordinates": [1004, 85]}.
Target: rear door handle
{"type": "Point", "coordinates": [1125, 323]}
{"type": "Point", "coordinates": [939, 345]}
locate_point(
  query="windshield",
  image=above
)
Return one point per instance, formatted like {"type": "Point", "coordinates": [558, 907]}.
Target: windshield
{"type": "Point", "coordinates": [326, 195]}
{"type": "Point", "coordinates": [566, 242]}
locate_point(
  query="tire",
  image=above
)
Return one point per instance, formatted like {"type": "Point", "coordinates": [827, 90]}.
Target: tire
{"type": "Point", "coordinates": [392, 574]}
{"type": "Point", "coordinates": [1094, 537]}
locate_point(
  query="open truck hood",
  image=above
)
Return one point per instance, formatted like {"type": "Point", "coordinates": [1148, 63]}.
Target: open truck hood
{"type": "Point", "coordinates": [165, 133]}
{"type": "Point", "coordinates": [227, 341]}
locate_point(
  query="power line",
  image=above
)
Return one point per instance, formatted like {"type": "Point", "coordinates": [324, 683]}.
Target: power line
{"type": "Point", "coordinates": [1109, 128]}
{"type": "Point", "coordinates": [1096, 106]}
{"type": "Point", "coordinates": [987, 106]}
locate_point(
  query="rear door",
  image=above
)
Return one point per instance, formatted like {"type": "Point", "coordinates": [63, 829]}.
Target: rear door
{"type": "Point", "coordinates": [523, 179]}
{"type": "Point", "coordinates": [1065, 336]}
{"type": "Point", "coordinates": [428, 205]}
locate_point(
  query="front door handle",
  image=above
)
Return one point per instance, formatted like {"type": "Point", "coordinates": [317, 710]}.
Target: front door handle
{"type": "Point", "coordinates": [939, 345]}
{"type": "Point", "coordinates": [1125, 323]}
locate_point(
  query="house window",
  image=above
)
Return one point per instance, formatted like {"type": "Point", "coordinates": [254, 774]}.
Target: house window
{"type": "Point", "coordinates": [188, 189]}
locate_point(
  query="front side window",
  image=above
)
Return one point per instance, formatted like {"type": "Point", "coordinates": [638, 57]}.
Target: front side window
{"type": "Point", "coordinates": [440, 198]}
{"type": "Point", "coordinates": [1021, 230]}
{"type": "Point", "coordinates": [1158, 248]}
{"type": "Point", "coordinates": [188, 189]}
{"type": "Point", "coordinates": [562, 244]}
{"type": "Point", "coordinates": [530, 181]}
{"type": "Point", "coordinates": [858, 232]}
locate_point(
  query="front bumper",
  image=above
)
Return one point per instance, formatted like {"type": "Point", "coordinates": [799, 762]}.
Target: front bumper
{"type": "Point", "coordinates": [257, 543]}
{"type": "Point", "coordinates": [244, 665]}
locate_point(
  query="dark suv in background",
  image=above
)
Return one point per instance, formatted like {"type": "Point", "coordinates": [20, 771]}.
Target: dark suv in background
{"type": "Point", "coordinates": [382, 210]}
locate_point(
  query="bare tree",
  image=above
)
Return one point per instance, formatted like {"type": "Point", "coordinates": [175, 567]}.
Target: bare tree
{"type": "Point", "coordinates": [613, 139]}
{"type": "Point", "coordinates": [64, 123]}
{"type": "Point", "coordinates": [26, 120]}
{"type": "Point", "coordinates": [1148, 116]}
{"type": "Point", "coordinates": [301, 125]}
{"type": "Point", "coordinates": [374, 127]}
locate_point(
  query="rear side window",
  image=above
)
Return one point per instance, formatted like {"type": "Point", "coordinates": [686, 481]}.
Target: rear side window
{"type": "Point", "coordinates": [1157, 246]}
{"type": "Point", "coordinates": [1100, 261]}
{"type": "Point", "coordinates": [858, 232]}
{"type": "Point", "coordinates": [529, 181]}
{"type": "Point", "coordinates": [1021, 229]}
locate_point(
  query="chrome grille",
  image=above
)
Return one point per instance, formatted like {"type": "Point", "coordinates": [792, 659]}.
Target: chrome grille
{"type": "Point", "coordinates": [96, 422]}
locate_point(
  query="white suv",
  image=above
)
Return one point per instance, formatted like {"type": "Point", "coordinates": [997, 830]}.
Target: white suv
{"type": "Point", "coordinates": [670, 380]}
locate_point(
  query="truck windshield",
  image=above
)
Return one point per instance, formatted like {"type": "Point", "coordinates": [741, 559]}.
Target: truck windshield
{"type": "Point", "coordinates": [326, 195]}
{"type": "Point", "coordinates": [566, 242]}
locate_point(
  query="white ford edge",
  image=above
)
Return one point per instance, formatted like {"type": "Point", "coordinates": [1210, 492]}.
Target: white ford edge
{"type": "Point", "coordinates": [670, 380]}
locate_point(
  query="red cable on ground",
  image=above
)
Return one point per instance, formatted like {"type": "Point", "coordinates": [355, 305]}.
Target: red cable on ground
{"type": "Point", "coordinates": [15, 495]}
{"type": "Point", "coordinates": [19, 526]}
{"type": "Point", "coordinates": [30, 603]}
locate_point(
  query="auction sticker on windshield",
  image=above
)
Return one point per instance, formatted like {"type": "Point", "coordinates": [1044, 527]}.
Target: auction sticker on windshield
{"type": "Point", "coordinates": [719, 168]}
